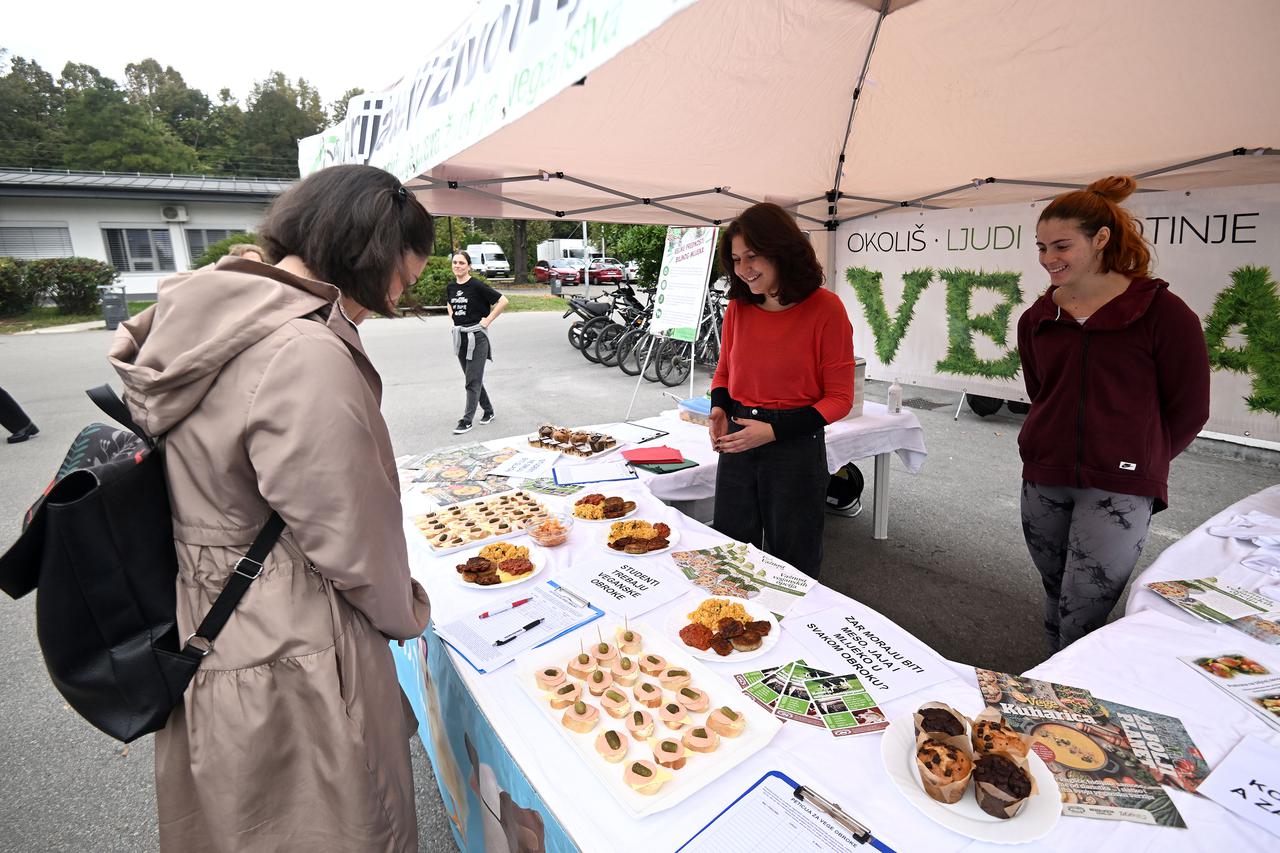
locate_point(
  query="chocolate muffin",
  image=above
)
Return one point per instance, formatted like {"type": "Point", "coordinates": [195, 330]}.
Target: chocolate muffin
{"type": "Point", "coordinates": [940, 720]}
{"type": "Point", "coordinates": [1006, 777]}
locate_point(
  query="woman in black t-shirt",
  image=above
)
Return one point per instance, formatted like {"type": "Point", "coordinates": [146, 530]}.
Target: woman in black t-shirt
{"type": "Point", "coordinates": [473, 307]}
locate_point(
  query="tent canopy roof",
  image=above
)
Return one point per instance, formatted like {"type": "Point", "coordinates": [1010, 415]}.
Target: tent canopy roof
{"type": "Point", "coordinates": [755, 97]}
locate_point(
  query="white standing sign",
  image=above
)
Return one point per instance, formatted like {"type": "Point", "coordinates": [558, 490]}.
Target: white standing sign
{"type": "Point", "coordinates": [682, 281]}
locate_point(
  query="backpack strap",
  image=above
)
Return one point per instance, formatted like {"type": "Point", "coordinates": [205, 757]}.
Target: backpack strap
{"type": "Point", "coordinates": [105, 398]}
{"type": "Point", "coordinates": [247, 569]}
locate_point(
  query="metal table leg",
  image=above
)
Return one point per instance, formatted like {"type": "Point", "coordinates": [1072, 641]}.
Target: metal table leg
{"type": "Point", "coordinates": [880, 507]}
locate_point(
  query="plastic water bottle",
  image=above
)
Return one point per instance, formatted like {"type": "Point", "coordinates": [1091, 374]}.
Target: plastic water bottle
{"type": "Point", "coordinates": [894, 403]}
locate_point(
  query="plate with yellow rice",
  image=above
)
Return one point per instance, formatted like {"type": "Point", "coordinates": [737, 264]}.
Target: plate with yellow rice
{"type": "Point", "coordinates": [688, 624]}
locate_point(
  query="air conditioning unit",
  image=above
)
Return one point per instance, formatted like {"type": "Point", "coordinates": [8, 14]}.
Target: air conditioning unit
{"type": "Point", "coordinates": [173, 213]}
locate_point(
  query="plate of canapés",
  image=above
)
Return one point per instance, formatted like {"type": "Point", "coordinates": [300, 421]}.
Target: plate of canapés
{"type": "Point", "coordinates": [651, 724]}
{"type": "Point", "coordinates": [597, 507]}
{"type": "Point", "coordinates": [639, 538]}
{"type": "Point", "coordinates": [499, 564]}
{"type": "Point", "coordinates": [716, 628]}
{"type": "Point", "coordinates": [978, 777]}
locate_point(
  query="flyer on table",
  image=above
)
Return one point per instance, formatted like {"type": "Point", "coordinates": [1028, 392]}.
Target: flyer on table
{"type": "Point", "coordinates": [740, 570]}
{"type": "Point", "coordinates": [1252, 683]}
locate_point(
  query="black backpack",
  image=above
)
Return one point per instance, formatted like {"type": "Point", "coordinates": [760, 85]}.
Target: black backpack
{"type": "Point", "coordinates": [98, 547]}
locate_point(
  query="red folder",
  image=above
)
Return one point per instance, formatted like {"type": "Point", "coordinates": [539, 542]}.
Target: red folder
{"type": "Point", "coordinates": [661, 453]}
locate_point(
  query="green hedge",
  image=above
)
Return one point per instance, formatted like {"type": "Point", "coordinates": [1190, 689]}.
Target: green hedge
{"type": "Point", "coordinates": [428, 291]}
{"type": "Point", "coordinates": [214, 251]}
{"type": "Point", "coordinates": [72, 283]}
{"type": "Point", "coordinates": [17, 296]}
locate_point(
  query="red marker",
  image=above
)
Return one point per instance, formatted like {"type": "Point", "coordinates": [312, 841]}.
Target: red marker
{"type": "Point", "coordinates": [512, 606]}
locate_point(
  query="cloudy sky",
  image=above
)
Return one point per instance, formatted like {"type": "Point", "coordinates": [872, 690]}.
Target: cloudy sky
{"type": "Point", "coordinates": [369, 44]}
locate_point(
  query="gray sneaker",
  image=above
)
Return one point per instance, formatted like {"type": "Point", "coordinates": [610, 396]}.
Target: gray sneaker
{"type": "Point", "coordinates": [464, 425]}
{"type": "Point", "coordinates": [487, 418]}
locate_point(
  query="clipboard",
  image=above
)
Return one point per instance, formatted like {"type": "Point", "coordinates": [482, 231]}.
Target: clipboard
{"type": "Point", "coordinates": [583, 613]}
{"type": "Point", "coordinates": [574, 475]}
{"type": "Point", "coordinates": [712, 839]}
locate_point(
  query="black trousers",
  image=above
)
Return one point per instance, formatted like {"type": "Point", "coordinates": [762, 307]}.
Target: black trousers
{"type": "Point", "coordinates": [777, 493]}
{"type": "Point", "coordinates": [12, 417]}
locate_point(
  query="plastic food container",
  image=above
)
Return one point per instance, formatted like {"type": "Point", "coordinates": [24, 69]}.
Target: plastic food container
{"type": "Point", "coordinates": [549, 530]}
{"type": "Point", "coordinates": [696, 410]}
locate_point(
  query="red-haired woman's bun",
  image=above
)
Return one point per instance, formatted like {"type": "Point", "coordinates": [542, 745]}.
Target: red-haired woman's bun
{"type": "Point", "coordinates": [1115, 188]}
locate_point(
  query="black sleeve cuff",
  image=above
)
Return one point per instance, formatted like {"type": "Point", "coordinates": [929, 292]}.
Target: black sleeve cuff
{"type": "Point", "coordinates": [720, 397]}
{"type": "Point", "coordinates": [802, 422]}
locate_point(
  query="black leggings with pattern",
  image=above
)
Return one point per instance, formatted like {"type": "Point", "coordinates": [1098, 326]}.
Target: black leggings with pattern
{"type": "Point", "coordinates": [1085, 543]}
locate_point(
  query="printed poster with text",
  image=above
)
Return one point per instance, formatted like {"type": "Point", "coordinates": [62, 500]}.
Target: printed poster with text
{"type": "Point", "coordinates": [744, 571]}
{"type": "Point", "coordinates": [852, 638]}
{"type": "Point", "coordinates": [682, 281]}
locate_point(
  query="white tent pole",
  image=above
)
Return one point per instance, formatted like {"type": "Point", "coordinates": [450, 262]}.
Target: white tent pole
{"type": "Point", "coordinates": [650, 340]}
{"type": "Point", "coordinates": [586, 270]}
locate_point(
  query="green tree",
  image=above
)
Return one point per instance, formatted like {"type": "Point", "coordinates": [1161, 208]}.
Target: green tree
{"type": "Point", "coordinates": [31, 131]}
{"type": "Point", "coordinates": [338, 109]}
{"type": "Point", "coordinates": [280, 113]}
{"type": "Point", "coordinates": [643, 244]}
{"type": "Point", "coordinates": [166, 98]}
{"type": "Point", "coordinates": [106, 132]}
{"type": "Point", "coordinates": [220, 151]}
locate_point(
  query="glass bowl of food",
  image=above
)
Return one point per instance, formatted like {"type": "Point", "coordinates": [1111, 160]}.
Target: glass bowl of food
{"type": "Point", "coordinates": [550, 529]}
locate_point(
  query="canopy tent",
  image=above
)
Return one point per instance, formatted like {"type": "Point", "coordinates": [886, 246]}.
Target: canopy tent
{"type": "Point", "coordinates": [686, 111]}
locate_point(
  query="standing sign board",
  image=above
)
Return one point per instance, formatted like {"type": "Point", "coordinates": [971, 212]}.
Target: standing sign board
{"type": "Point", "coordinates": [682, 282]}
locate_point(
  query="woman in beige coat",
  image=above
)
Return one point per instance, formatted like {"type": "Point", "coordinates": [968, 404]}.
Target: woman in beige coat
{"type": "Point", "coordinates": [294, 733]}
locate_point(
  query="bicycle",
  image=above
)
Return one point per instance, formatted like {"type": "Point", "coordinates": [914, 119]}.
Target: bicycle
{"type": "Point", "coordinates": [676, 358]}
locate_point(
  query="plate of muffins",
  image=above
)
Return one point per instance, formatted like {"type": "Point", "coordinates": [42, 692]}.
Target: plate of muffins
{"type": "Point", "coordinates": [977, 777]}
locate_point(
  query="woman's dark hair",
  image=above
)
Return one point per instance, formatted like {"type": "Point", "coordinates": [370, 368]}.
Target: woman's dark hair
{"type": "Point", "coordinates": [770, 231]}
{"type": "Point", "coordinates": [466, 255]}
{"type": "Point", "coordinates": [351, 225]}
{"type": "Point", "coordinates": [1098, 205]}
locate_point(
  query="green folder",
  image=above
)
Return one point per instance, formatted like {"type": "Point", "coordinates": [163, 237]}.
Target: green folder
{"type": "Point", "coordinates": [664, 467]}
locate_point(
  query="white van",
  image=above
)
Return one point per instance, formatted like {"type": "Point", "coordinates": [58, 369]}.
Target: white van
{"type": "Point", "coordinates": [488, 260]}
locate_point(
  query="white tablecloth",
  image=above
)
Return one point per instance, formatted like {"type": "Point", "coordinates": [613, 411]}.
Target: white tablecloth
{"type": "Point", "coordinates": [1130, 661]}
{"type": "Point", "coordinates": [1200, 555]}
{"type": "Point", "coordinates": [874, 433]}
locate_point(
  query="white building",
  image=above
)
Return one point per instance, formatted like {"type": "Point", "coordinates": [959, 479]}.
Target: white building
{"type": "Point", "coordinates": [146, 226]}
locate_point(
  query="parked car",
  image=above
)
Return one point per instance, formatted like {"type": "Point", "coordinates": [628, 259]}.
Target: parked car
{"type": "Point", "coordinates": [612, 262]}
{"type": "Point", "coordinates": [631, 272]}
{"type": "Point", "coordinates": [542, 271]}
{"type": "Point", "coordinates": [606, 273]}
{"type": "Point", "coordinates": [568, 270]}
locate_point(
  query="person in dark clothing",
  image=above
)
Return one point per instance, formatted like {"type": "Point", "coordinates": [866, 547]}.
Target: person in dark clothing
{"type": "Point", "coordinates": [15, 420]}
{"type": "Point", "coordinates": [785, 372]}
{"type": "Point", "coordinates": [473, 307]}
{"type": "Point", "coordinates": [1117, 372]}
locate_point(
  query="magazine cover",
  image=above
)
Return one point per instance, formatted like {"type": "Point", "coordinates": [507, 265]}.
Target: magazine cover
{"type": "Point", "coordinates": [1161, 744]}
{"type": "Point", "coordinates": [844, 706]}
{"type": "Point", "coordinates": [1251, 683]}
{"type": "Point", "coordinates": [1097, 772]}
{"type": "Point", "coordinates": [744, 571]}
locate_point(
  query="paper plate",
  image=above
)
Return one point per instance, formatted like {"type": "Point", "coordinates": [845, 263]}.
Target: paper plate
{"type": "Point", "coordinates": [536, 556]}
{"type": "Point", "coordinates": [1037, 818]}
{"type": "Point", "coordinates": [678, 618]}
{"type": "Point", "coordinates": [672, 540]}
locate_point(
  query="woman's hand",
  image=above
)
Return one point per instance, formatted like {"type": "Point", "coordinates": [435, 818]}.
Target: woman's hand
{"type": "Point", "coordinates": [752, 434]}
{"type": "Point", "coordinates": [718, 426]}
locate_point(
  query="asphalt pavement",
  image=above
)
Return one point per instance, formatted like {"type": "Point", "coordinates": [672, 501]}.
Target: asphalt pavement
{"type": "Point", "coordinates": [954, 570]}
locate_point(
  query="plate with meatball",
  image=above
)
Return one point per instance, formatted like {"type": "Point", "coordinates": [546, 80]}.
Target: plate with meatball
{"type": "Point", "coordinates": [719, 628]}
{"type": "Point", "coordinates": [499, 564]}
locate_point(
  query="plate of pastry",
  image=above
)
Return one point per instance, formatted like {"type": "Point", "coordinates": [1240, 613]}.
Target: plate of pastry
{"type": "Point", "coordinates": [598, 508]}
{"type": "Point", "coordinates": [978, 778]}
{"type": "Point", "coordinates": [717, 628]}
{"type": "Point", "coordinates": [639, 538]}
{"type": "Point", "coordinates": [474, 523]}
{"type": "Point", "coordinates": [652, 725]}
{"type": "Point", "coordinates": [499, 564]}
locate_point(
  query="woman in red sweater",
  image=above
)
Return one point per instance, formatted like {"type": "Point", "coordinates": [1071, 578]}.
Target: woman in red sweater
{"type": "Point", "coordinates": [1118, 376]}
{"type": "Point", "coordinates": [785, 372]}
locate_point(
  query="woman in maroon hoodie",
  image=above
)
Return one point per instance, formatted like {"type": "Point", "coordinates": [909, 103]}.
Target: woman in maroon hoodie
{"type": "Point", "coordinates": [1118, 376]}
